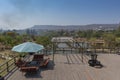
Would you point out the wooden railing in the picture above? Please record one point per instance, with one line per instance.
(7, 67)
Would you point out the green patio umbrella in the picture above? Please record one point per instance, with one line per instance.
(28, 47)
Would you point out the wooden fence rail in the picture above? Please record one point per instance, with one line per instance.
(7, 67)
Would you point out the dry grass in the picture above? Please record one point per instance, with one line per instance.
(5, 55)
(2, 60)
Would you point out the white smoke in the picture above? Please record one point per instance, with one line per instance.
(16, 18)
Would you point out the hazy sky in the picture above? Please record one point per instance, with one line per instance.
(19, 14)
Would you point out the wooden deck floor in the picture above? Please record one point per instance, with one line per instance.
(72, 68)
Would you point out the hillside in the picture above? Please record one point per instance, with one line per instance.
(76, 27)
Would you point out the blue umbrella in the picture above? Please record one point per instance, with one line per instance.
(28, 47)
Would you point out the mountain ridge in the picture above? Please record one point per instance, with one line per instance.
(76, 27)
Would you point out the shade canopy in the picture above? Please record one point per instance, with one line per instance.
(28, 47)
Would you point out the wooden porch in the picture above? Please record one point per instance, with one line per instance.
(71, 67)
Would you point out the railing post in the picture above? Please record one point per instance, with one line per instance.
(63, 50)
(82, 55)
(82, 50)
(7, 66)
(53, 51)
(14, 59)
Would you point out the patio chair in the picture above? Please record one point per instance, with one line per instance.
(19, 63)
(45, 63)
(93, 61)
(38, 57)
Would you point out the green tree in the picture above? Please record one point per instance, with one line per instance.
(43, 40)
(110, 40)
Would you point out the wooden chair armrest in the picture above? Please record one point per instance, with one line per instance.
(44, 63)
